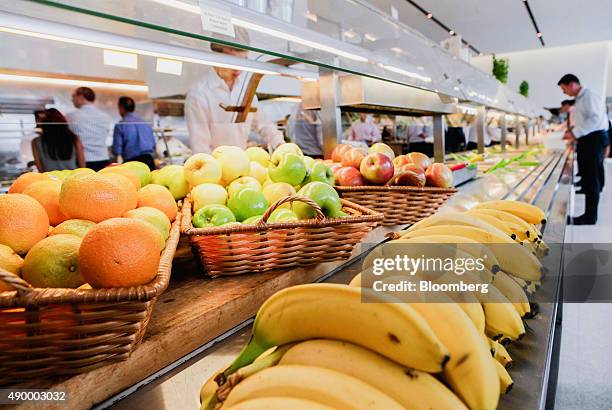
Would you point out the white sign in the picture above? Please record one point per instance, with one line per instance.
(216, 18)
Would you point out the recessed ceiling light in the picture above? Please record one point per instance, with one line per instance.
(451, 32)
(369, 37)
(429, 15)
(539, 35)
(349, 34)
(311, 16)
(397, 49)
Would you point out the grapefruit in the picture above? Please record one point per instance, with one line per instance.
(93, 197)
(23, 222)
(48, 193)
(11, 262)
(157, 196)
(127, 187)
(119, 252)
(54, 263)
(78, 227)
(26, 179)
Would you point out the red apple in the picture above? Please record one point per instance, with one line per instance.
(410, 175)
(336, 155)
(377, 168)
(335, 167)
(352, 158)
(349, 176)
(401, 160)
(382, 148)
(439, 175)
(419, 159)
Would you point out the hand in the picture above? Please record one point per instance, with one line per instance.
(119, 159)
(568, 136)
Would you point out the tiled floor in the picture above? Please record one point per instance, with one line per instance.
(586, 345)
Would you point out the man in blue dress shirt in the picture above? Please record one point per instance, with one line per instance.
(133, 138)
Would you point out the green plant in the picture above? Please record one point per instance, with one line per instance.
(524, 88)
(500, 69)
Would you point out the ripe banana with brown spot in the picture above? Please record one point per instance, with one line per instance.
(505, 380)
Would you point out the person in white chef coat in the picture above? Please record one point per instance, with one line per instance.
(209, 125)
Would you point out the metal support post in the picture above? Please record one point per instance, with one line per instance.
(481, 113)
(438, 135)
(504, 132)
(331, 120)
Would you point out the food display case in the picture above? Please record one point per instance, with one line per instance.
(334, 57)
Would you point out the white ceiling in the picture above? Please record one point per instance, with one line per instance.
(500, 26)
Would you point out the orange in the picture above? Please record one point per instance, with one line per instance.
(48, 193)
(125, 172)
(11, 262)
(157, 196)
(54, 263)
(26, 179)
(23, 222)
(78, 227)
(119, 252)
(93, 197)
(128, 188)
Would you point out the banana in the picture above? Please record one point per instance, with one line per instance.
(491, 220)
(527, 230)
(529, 213)
(279, 403)
(356, 281)
(456, 218)
(323, 386)
(501, 354)
(511, 257)
(469, 372)
(505, 380)
(402, 384)
(513, 292)
(334, 311)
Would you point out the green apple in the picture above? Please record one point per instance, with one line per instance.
(252, 220)
(173, 178)
(308, 161)
(154, 216)
(383, 149)
(289, 168)
(320, 172)
(277, 190)
(242, 182)
(282, 215)
(206, 194)
(259, 172)
(247, 202)
(202, 168)
(286, 148)
(259, 155)
(235, 163)
(213, 215)
(141, 169)
(267, 182)
(324, 195)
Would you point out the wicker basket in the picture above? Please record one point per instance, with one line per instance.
(45, 333)
(399, 204)
(237, 249)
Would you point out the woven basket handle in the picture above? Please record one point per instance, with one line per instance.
(15, 281)
(319, 212)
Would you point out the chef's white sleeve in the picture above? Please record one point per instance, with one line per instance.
(198, 124)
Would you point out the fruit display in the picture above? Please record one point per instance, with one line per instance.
(233, 186)
(105, 229)
(321, 346)
(379, 166)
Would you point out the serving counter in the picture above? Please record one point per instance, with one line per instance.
(200, 324)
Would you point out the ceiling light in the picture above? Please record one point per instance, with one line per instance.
(311, 16)
(406, 73)
(397, 49)
(166, 66)
(72, 83)
(349, 34)
(369, 37)
(429, 15)
(538, 35)
(120, 59)
(451, 32)
(275, 33)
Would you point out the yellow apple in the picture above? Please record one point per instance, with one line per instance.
(258, 172)
(242, 182)
(258, 154)
(234, 163)
(277, 190)
(202, 168)
(207, 194)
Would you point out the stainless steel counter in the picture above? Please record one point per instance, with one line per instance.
(546, 185)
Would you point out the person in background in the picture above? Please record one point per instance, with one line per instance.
(133, 139)
(92, 126)
(590, 128)
(364, 130)
(494, 132)
(57, 148)
(473, 136)
(208, 123)
(304, 129)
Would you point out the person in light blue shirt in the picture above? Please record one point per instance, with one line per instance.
(133, 138)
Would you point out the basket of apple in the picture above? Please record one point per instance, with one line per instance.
(406, 188)
(249, 211)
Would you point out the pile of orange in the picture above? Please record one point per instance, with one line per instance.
(100, 228)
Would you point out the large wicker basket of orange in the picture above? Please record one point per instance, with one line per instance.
(82, 262)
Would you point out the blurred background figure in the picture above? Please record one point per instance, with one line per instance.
(133, 138)
(304, 129)
(364, 130)
(57, 148)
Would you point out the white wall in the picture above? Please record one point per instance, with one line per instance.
(542, 68)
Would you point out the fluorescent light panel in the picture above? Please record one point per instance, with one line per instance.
(166, 66)
(69, 82)
(406, 73)
(120, 59)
